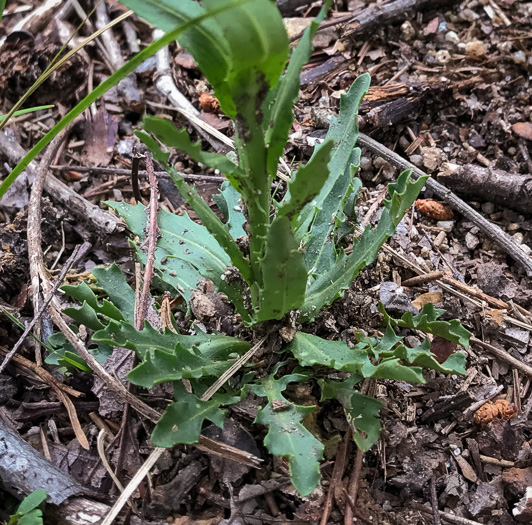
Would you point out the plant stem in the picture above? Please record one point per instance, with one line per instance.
(256, 184)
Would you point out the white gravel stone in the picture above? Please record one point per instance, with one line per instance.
(446, 226)
(472, 241)
(518, 237)
(442, 56)
(452, 37)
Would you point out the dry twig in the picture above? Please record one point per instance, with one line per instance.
(79, 252)
(337, 475)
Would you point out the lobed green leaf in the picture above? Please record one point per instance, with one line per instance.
(312, 350)
(427, 321)
(182, 421)
(284, 273)
(209, 346)
(279, 103)
(362, 412)
(331, 284)
(160, 366)
(321, 242)
(286, 436)
(344, 133)
(228, 202)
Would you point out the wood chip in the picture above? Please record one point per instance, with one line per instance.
(523, 130)
(429, 297)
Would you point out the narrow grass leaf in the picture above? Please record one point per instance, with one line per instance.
(107, 84)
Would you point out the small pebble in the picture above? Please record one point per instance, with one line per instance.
(523, 130)
(324, 102)
(446, 226)
(488, 207)
(472, 241)
(487, 245)
(452, 37)
(379, 162)
(407, 31)
(440, 239)
(403, 142)
(519, 57)
(443, 56)
(365, 163)
(518, 237)
(417, 160)
(512, 227)
(468, 15)
(125, 147)
(432, 158)
(387, 506)
(476, 48)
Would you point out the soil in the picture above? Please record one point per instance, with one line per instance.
(450, 87)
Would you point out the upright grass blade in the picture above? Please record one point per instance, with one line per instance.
(107, 84)
(57, 62)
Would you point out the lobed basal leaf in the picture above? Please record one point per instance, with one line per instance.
(427, 321)
(286, 436)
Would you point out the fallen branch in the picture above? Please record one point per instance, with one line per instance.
(103, 221)
(377, 15)
(122, 171)
(504, 356)
(23, 470)
(506, 189)
(447, 516)
(489, 229)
